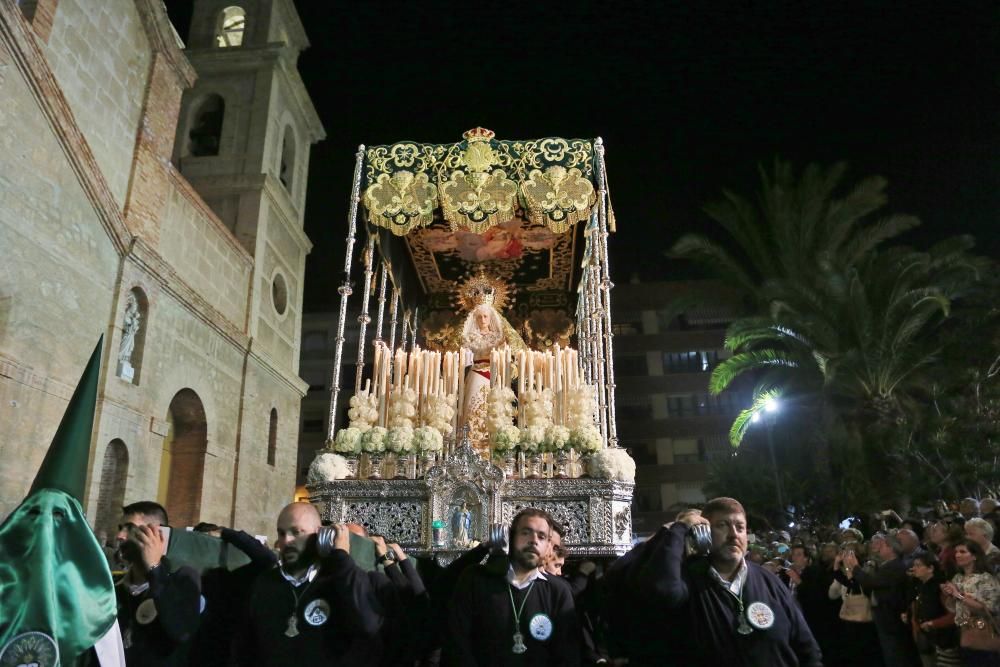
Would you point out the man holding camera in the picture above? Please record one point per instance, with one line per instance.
(158, 607)
(719, 608)
(318, 607)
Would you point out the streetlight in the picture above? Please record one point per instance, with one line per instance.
(770, 408)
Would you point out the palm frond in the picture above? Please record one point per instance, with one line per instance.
(727, 371)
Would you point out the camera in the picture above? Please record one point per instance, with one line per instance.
(699, 540)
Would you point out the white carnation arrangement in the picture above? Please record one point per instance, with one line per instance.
(557, 438)
(428, 439)
(538, 408)
(374, 439)
(439, 411)
(505, 438)
(586, 439)
(500, 408)
(327, 467)
(402, 408)
(532, 439)
(400, 440)
(348, 440)
(363, 412)
(580, 406)
(612, 463)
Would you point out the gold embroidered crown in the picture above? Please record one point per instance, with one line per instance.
(483, 289)
(478, 134)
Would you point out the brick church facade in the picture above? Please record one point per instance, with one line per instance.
(154, 193)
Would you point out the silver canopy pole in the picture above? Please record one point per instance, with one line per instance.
(363, 318)
(393, 312)
(345, 291)
(381, 302)
(605, 290)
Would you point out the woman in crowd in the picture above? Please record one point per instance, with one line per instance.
(859, 640)
(980, 531)
(933, 624)
(975, 596)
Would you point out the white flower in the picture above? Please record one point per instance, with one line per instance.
(532, 438)
(348, 440)
(373, 440)
(327, 466)
(363, 412)
(612, 463)
(428, 439)
(438, 412)
(586, 438)
(505, 438)
(556, 437)
(400, 440)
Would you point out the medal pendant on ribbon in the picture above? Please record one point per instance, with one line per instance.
(743, 627)
(519, 646)
(293, 626)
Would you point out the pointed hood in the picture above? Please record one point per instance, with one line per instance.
(65, 464)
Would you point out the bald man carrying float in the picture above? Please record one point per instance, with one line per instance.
(312, 609)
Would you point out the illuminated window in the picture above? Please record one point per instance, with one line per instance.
(232, 22)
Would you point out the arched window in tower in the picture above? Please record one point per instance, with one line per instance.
(272, 437)
(206, 128)
(287, 170)
(232, 24)
(134, 322)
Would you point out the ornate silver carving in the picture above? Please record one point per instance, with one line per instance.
(401, 522)
(623, 524)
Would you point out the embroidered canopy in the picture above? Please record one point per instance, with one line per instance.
(480, 182)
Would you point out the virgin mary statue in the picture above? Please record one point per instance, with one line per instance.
(485, 329)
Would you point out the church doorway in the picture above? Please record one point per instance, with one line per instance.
(182, 465)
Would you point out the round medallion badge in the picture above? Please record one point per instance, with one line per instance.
(760, 615)
(540, 627)
(145, 613)
(317, 612)
(30, 648)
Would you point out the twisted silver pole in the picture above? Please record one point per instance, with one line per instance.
(363, 318)
(381, 304)
(393, 312)
(605, 289)
(345, 291)
(413, 344)
(598, 347)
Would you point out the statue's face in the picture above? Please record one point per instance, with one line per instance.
(482, 318)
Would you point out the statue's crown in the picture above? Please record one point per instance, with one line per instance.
(482, 289)
(478, 134)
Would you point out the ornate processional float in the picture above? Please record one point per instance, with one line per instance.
(489, 260)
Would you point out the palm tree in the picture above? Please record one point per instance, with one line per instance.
(839, 325)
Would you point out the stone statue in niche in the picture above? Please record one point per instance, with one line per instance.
(130, 329)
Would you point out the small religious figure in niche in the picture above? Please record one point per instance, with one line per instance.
(461, 526)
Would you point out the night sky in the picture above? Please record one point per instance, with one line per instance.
(689, 98)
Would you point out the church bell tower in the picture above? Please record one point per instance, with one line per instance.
(243, 141)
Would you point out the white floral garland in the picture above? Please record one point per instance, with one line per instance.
(500, 418)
